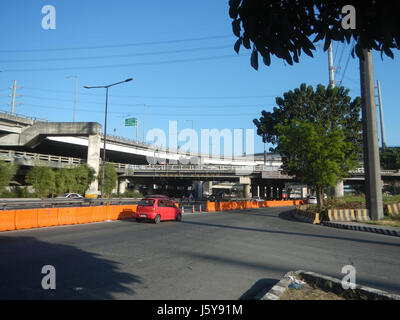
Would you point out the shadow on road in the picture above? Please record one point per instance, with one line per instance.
(310, 235)
(79, 274)
(259, 289)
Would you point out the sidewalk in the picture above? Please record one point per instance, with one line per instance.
(391, 231)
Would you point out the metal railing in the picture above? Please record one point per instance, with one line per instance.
(12, 155)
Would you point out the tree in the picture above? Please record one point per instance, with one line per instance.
(314, 153)
(43, 180)
(327, 106)
(390, 158)
(110, 179)
(284, 27)
(7, 171)
(331, 111)
(83, 176)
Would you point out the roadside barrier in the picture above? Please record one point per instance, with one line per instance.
(47, 217)
(348, 215)
(393, 209)
(309, 217)
(67, 216)
(26, 219)
(7, 220)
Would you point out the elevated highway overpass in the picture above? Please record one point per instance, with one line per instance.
(28, 141)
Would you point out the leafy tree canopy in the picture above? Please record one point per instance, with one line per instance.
(110, 179)
(390, 158)
(325, 106)
(315, 155)
(7, 171)
(284, 27)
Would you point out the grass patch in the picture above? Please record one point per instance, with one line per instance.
(387, 221)
(350, 202)
(320, 289)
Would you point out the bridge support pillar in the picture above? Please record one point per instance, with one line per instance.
(339, 190)
(93, 160)
(122, 184)
(198, 188)
(246, 182)
(207, 187)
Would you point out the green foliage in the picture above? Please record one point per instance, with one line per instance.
(390, 158)
(110, 179)
(7, 172)
(83, 176)
(284, 28)
(326, 106)
(317, 133)
(43, 181)
(47, 181)
(316, 156)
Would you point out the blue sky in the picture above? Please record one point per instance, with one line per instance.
(180, 55)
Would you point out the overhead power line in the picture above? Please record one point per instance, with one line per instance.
(127, 64)
(149, 53)
(118, 45)
(159, 97)
(259, 105)
(141, 113)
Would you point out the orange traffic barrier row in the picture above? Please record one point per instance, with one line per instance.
(48, 217)
(240, 205)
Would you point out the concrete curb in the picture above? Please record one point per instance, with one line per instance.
(361, 227)
(277, 290)
(356, 226)
(306, 217)
(327, 283)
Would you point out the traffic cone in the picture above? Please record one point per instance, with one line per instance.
(200, 208)
(193, 209)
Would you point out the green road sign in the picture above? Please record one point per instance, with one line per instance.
(130, 122)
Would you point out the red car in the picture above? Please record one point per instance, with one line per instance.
(158, 209)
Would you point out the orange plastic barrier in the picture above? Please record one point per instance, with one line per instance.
(67, 216)
(99, 213)
(7, 220)
(26, 219)
(234, 205)
(85, 214)
(113, 212)
(47, 217)
(211, 206)
(127, 212)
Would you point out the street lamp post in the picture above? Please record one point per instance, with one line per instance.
(105, 127)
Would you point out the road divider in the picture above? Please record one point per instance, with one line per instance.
(344, 215)
(310, 217)
(240, 205)
(48, 217)
(393, 209)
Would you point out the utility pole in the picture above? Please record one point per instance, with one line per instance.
(331, 67)
(13, 96)
(383, 138)
(373, 187)
(339, 188)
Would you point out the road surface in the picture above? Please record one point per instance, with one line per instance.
(229, 255)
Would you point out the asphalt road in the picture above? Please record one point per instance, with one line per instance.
(218, 255)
